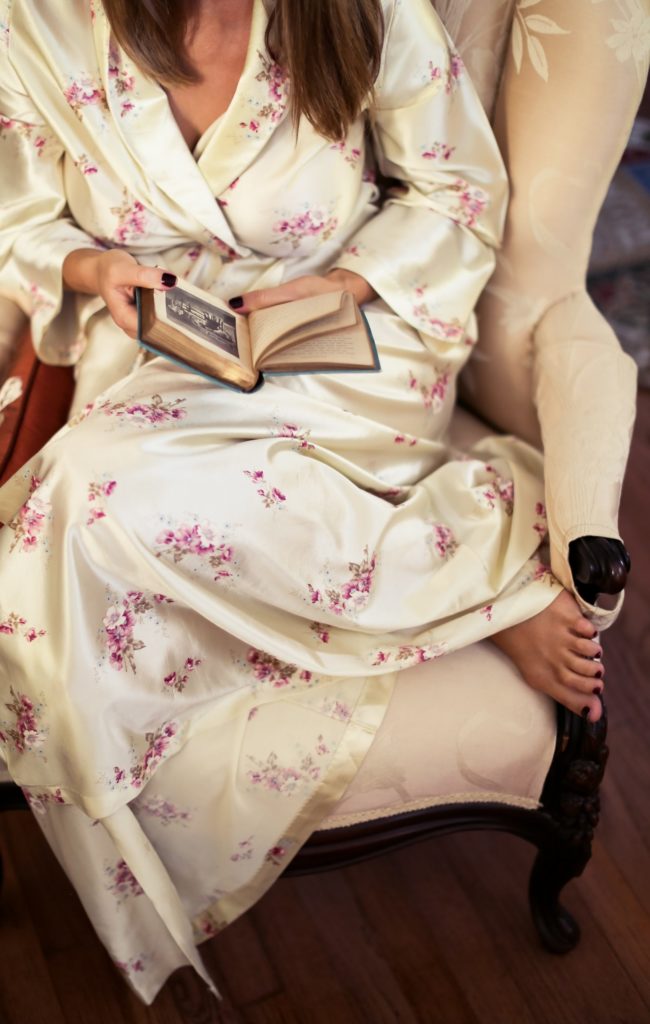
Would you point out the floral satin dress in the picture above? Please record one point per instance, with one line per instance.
(205, 597)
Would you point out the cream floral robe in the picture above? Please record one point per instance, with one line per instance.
(205, 596)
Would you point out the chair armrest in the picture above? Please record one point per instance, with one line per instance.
(599, 565)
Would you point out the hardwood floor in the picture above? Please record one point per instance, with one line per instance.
(435, 934)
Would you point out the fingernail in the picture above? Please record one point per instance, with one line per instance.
(169, 280)
(597, 690)
(599, 674)
(236, 303)
(585, 712)
(594, 634)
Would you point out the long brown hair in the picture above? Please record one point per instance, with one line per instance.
(331, 50)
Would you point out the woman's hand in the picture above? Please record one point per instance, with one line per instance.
(113, 275)
(303, 287)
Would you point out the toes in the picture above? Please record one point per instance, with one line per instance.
(594, 671)
(579, 704)
(583, 627)
(585, 648)
(582, 685)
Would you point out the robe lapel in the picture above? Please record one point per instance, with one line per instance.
(154, 140)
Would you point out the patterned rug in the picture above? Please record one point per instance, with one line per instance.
(619, 269)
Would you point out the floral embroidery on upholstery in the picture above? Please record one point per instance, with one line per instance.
(154, 412)
(271, 497)
(123, 882)
(177, 681)
(26, 734)
(353, 594)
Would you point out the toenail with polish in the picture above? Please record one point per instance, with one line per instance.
(594, 635)
(584, 712)
(599, 674)
(597, 690)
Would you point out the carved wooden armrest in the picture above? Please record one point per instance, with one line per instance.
(599, 565)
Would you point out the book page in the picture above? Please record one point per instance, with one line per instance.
(204, 319)
(268, 326)
(348, 349)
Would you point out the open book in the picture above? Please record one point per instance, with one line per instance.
(191, 326)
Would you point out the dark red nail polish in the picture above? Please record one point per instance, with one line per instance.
(599, 674)
(169, 280)
(594, 635)
(584, 712)
(597, 690)
(236, 303)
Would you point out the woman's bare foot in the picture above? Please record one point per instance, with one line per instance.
(553, 652)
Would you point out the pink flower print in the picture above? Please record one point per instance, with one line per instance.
(193, 254)
(177, 681)
(39, 801)
(244, 850)
(321, 631)
(352, 250)
(450, 75)
(28, 524)
(24, 732)
(543, 572)
(471, 201)
(351, 156)
(119, 623)
(158, 744)
(354, 593)
(131, 219)
(207, 926)
(403, 439)
(39, 300)
(433, 395)
(277, 81)
(13, 626)
(154, 412)
(97, 491)
(196, 539)
(411, 654)
(336, 709)
(163, 810)
(121, 81)
(309, 224)
(297, 433)
(136, 965)
(438, 150)
(286, 779)
(162, 599)
(445, 543)
(499, 490)
(540, 527)
(381, 657)
(123, 882)
(271, 497)
(85, 165)
(85, 92)
(252, 125)
(252, 713)
(268, 669)
(487, 611)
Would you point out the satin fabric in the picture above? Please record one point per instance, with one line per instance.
(204, 596)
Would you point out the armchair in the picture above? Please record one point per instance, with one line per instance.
(451, 754)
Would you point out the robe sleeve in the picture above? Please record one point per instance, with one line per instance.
(429, 251)
(36, 229)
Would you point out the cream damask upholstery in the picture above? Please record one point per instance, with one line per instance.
(562, 82)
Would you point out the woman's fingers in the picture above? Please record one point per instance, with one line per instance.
(301, 288)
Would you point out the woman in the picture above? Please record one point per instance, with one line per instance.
(222, 587)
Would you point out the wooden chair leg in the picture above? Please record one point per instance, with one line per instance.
(572, 802)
